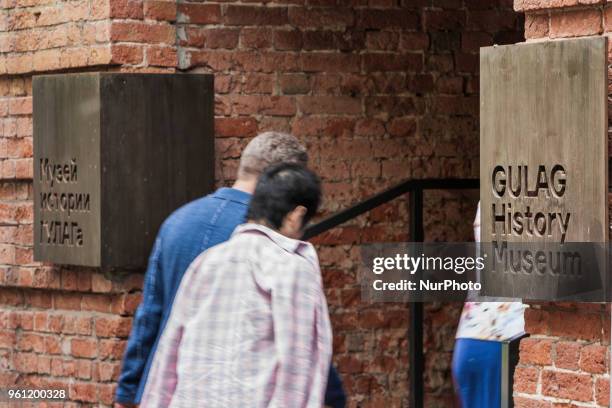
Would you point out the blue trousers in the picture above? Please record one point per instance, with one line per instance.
(477, 373)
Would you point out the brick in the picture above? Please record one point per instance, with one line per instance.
(328, 18)
(369, 127)
(83, 392)
(43, 365)
(573, 23)
(349, 364)
(96, 302)
(111, 349)
(100, 284)
(217, 60)
(580, 326)
(53, 345)
(140, 32)
(67, 301)
(38, 299)
(221, 38)
(127, 54)
(7, 339)
(160, 10)
(382, 40)
(86, 348)
(255, 15)
(567, 355)
(385, 19)
(536, 25)
(265, 105)
(235, 127)
(578, 387)
(472, 41)
(107, 371)
(467, 62)
(492, 20)
(392, 62)
(161, 56)
(593, 359)
(444, 19)
(98, 10)
(194, 13)
(62, 368)
(329, 105)
(536, 351)
(191, 36)
(86, 56)
(607, 19)
(126, 304)
(129, 9)
(258, 84)
(602, 391)
(19, 147)
(47, 60)
(83, 369)
(529, 5)
(223, 105)
(20, 106)
(319, 40)
(106, 393)
(449, 85)
(287, 40)
(25, 362)
(402, 127)
(350, 40)
(31, 342)
(25, 256)
(256, 37)
(326, 62)
(115, 326)
(72, 324)
(93, 33)
(291, 84)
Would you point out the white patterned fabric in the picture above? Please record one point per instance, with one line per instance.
(490, 320)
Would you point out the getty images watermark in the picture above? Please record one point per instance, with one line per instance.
(409, 264)
(423, 272)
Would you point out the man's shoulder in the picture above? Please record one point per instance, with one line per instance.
(203, 209)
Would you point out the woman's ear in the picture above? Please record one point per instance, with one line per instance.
(293, 223)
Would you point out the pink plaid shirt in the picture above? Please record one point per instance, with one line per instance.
(249, 328)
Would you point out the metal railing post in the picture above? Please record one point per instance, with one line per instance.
(415, 332)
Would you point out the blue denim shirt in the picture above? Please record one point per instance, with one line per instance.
(190, 230)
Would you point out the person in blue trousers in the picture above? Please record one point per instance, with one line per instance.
(189, 231)
(482, 328)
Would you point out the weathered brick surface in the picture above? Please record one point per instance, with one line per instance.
(569, 348)
(531, 5)
(377, 90)
(577, 368)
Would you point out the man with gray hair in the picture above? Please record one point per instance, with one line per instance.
(189, 231)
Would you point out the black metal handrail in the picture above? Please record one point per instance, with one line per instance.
(386, 196)
(415, 188)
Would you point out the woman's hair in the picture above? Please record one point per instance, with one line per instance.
(271, 148)
(281, 188)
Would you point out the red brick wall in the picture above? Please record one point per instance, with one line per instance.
(379, 91)
(566, 360)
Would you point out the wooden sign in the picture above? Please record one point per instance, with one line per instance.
(114, 155)
(543, 142)
(544, 169)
